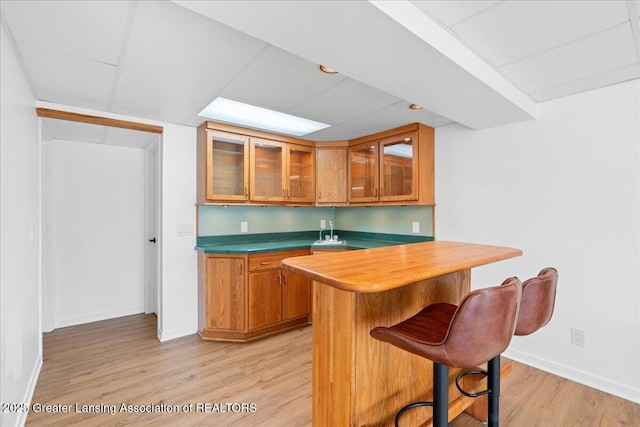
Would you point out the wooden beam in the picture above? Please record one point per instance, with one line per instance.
(96, 120)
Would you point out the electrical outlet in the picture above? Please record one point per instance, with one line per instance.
(416, 227)
(323, 224)
(577, 337)
(244, 227)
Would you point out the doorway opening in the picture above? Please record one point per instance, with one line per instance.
(101, 191)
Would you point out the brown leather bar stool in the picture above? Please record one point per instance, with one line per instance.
(536, 308)
(474, 332)
(538, 301)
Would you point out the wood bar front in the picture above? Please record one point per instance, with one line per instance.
(360, 381)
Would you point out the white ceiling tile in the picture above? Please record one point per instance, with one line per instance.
(346, 101)
(592, 82)
(451, 12)
(171, 43)
(142, 96)
(87, 29)
(514, 30)
(280, 81)
(65, 130)
(334, 133)
(65, 79)
(594, 55)
(390, 117)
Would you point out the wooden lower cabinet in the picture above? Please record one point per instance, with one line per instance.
(246, 297)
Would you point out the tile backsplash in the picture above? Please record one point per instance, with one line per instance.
(228, 220)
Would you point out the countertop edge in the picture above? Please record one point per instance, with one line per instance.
(402, 275)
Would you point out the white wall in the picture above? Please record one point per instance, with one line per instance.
(96, 196)
(20, 336)
(565, 189)
(179, 275)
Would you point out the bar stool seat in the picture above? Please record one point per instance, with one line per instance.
(474, 332)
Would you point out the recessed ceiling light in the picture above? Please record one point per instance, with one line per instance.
(415, 107)
(326, 69)
(239, 113)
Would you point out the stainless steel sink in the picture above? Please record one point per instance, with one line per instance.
(330, 242)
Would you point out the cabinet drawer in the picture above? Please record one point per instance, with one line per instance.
(271, 260)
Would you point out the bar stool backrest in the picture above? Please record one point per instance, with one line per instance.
(483, 324)
(538, 300)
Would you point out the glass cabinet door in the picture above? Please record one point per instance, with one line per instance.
(363, 172)
(227, 166)
(301, 179)
(398, 172)
(267, 170)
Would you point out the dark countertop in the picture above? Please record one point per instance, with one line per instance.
(258, 243)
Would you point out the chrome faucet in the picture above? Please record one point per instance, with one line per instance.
(331, 226)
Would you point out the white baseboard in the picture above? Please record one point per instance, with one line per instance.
(96, 317)
(21, 420)
(602, 384)
(175, 333)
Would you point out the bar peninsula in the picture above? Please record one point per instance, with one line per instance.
(357, 380)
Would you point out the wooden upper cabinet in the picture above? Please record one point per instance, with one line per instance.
(281, 172)
(226, 169)
(301, 174)
(393, 167)
(363, 172)
(267, 170)
(399, 168)
(331, 176)
(246, 166)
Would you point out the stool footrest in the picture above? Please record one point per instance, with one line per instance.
(410, 406)
(472, 372)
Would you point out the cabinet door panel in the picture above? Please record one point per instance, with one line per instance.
(301, 176)
(267, 167)
(265, 300)
(296, 296)
(399, 168)
(363, 172)
(331, 175)
(227, 176)
(225, 293)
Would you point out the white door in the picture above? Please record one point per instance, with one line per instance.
(152, 229)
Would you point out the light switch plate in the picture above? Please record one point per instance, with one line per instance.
(416, 226)
(244, 227)
(323, 224)
(185, 229)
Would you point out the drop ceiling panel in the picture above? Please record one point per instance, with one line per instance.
(334, 133)
(67, 79)
(87, 29)
(344, 102)
(584, 58)
(141, 96)
(174, 44)
(280, 81)
(600, 80)
(452, 12)
(514, 30)
(389, 117)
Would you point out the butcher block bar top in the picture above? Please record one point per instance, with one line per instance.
(381, 269)
(359, 381)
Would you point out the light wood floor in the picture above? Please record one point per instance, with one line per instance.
(266, 383)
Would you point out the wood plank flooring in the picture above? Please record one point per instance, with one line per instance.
(265, 383)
